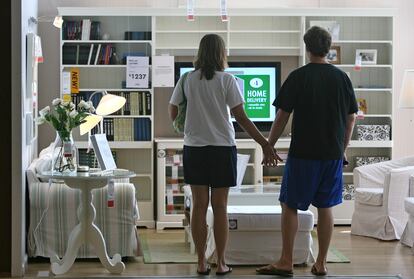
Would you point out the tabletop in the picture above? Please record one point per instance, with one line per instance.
(92, 175)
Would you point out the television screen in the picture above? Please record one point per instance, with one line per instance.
(259, 82)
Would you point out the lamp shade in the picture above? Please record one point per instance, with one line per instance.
(407, 90)
(90, 122)
(109, 104)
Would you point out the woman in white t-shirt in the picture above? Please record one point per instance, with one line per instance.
(210, 155)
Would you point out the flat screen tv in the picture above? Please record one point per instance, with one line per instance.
(259, 82)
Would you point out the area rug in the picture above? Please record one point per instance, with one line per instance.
(166, 248)
(334, 255)
(171, 248)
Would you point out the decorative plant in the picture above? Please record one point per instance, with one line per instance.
(63, 116)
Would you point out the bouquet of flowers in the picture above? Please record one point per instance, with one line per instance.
(64, 117)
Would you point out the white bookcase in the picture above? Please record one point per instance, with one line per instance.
(133, 155)
(264, 32)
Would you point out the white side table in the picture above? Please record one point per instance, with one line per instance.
(86, 230)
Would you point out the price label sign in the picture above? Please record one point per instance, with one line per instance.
(137, 74)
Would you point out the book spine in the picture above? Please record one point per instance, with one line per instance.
(116, 129)
(90, 54)
(111, 129)
(135, 129)
(148, 103)
(127, 109)
(140, 106)
(97, 54)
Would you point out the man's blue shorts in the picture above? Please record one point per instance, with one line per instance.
(316, 182)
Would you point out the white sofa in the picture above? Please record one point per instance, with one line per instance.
(380, 190)
(407, 237)
(53, 210)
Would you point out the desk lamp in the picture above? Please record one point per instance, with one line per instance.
(108, 104)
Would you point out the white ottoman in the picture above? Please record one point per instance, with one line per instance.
(255, 236)
(245, 195)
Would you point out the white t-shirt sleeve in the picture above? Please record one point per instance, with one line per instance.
(234, 96)
(177, 96)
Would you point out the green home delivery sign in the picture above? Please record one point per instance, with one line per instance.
(256, 95)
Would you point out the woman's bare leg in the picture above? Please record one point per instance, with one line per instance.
(221, 225)
(198, 223)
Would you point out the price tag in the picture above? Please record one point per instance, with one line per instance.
(358, 62)
(223, 10)
(137, 73)
(190, 10)
(67, 149)
(176, 159)
(111, 193)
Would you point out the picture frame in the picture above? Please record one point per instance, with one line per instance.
(331, 26)
(334, 55)
(368, 56)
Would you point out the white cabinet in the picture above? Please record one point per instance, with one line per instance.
(170, 178)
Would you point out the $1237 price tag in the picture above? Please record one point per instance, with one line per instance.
(137, 72)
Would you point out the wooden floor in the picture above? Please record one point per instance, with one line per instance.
(368, 257)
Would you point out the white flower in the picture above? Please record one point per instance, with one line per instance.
(65, 103)
(92, 110)
(40, 120)
(56, 101)
(82, 104)
(45, 111)
(73, 113)
(72, 105)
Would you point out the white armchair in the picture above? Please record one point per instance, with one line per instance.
(380, 190)
(407, 237)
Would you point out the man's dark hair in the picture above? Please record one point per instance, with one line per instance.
(318, 41)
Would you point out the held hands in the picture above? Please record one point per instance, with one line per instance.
(270, 158)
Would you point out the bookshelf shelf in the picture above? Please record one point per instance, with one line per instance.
(189, 31)
(364, 66)
(94, 66)
(120, 144)
(363, 42)
(106, 42)
(267, 31)
(128, 116)
(388, 90)
(115, 89)
(378, 116)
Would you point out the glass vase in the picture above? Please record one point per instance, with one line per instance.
(65, 154)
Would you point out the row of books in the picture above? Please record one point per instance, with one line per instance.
(89, 158)
(91, 54)
(81, 30)
(126, 129)
(137, 103)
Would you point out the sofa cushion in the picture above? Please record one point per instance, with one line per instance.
(409, 205)
(369, 196)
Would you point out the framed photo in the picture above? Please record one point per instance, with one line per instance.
(368, 56)
(331, 26)
(334, 55)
